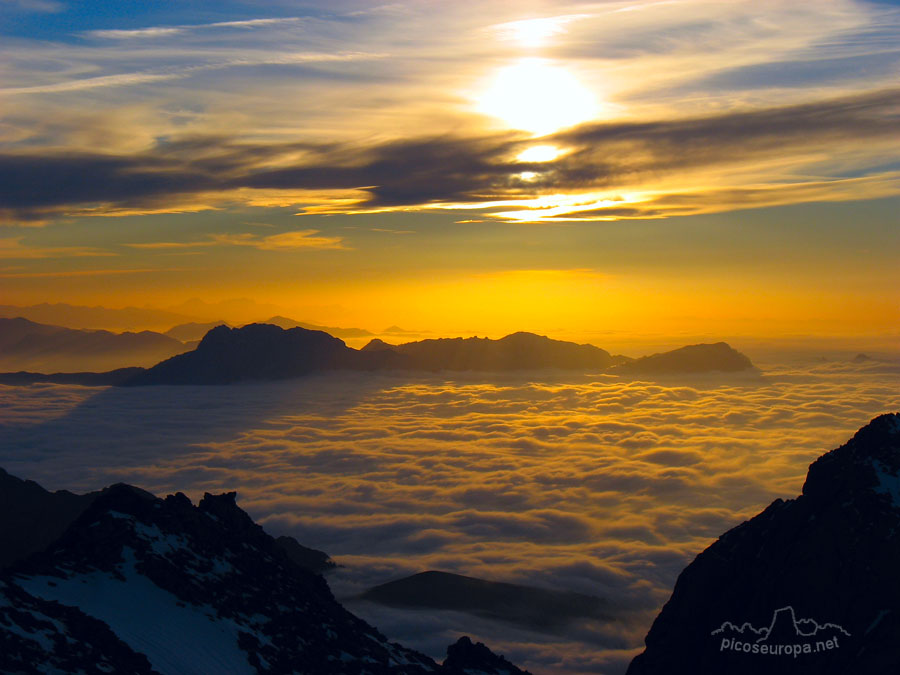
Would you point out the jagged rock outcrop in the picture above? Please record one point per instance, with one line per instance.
(808, 586)
(138, 584)
(468, 658)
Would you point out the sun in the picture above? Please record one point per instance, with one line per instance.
(535, 95)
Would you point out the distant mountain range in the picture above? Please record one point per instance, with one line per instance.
(26, 345)
(269, 352)
(286, 323)
(192, 331)
(79, 316)
(121, 581)
(807, 587)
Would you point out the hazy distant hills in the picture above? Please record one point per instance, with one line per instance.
(536, 608)
(286, 323)
(26, 345)
(77, 316)
(192, 330)
(817, 574)
(519, 351)
(130, 583)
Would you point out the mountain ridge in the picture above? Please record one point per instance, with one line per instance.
(268, 352)
(216, 593)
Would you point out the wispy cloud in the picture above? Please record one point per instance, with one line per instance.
(82, 273)
(12, 248)
(610, 170)
(137, 78)
(285, 241)
(166, 31)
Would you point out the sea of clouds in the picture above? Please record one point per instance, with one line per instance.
(589, 483)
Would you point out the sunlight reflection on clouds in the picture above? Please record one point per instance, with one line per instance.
(594, 484)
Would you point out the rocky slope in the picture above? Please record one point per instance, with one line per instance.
(808, 586)
(137, 584)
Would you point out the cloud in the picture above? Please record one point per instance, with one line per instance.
(285, 241)
(612, 170)
(605, 486)
(13, 248)
(166, 31)
(137, 78)
(83, 273)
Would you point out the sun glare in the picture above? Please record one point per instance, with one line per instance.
(539, 153)
(535, 95)
(533, 32)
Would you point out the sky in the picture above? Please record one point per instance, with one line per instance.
(674, 167)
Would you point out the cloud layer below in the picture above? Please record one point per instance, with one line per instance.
(593, 484)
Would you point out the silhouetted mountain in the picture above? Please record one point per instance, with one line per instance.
(25, 345)
(31, 517)
(192, 331)
(816, 574)
(261, 352)
(466, 658)
(537, 608)
(284, 322)
(519, 351)
(138, 584)
(77, 316)
(107, 379)
(691, 359)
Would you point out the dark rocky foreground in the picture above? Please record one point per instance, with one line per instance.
(138, 584)
(810, 586)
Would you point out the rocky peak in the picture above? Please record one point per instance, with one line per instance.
(807, 587)
(138, 584)
(869, 463)
(468, 658)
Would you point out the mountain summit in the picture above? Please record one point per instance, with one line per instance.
(260, 352)
(138, 584)
(808, 586)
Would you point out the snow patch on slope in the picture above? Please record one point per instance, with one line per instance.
(176, 638)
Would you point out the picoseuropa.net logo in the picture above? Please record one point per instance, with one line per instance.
(786, 635)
